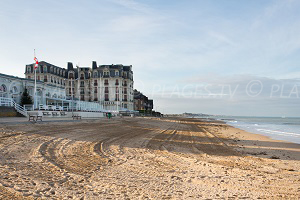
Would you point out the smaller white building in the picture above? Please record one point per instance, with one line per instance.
(13, 87)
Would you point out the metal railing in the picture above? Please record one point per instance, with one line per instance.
(11, 103)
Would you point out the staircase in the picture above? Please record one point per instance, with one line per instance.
(11, 103)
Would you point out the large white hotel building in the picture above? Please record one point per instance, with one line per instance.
(109, 85)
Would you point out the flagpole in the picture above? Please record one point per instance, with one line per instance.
(34, 97)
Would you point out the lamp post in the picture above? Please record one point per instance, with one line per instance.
(72, 96)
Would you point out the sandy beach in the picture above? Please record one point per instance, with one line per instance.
(144, 158)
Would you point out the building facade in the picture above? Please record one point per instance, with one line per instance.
(142, 102)
(13, 87)
(108, 85)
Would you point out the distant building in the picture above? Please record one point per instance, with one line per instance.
(108, 85)
(141, 102)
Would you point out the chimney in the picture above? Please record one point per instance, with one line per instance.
(70, 66)
(94, 65)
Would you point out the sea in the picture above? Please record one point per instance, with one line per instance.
(279, 128)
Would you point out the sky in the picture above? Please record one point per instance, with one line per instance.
(226, 57)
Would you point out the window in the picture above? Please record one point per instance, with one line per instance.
(51, 79)
(106, 73)
(125, 83)
(29, 69)
(81, 83)
(117, 90)
(64, 73)
(29, 77)
(15, 90)
(3, 88)
(117, 97)
(95, 90)
(106, 97)
(81, 91)
(71, 75)
(117, 82)
(81, 76)
(117, 73)
(45, 79)
(95, 83)
(45, 69)
(51, 69)
(106, 90)
(54, 96)
(105, 82)
(95, 99)
(95, 74)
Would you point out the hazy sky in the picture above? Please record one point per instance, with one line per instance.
(217, 57)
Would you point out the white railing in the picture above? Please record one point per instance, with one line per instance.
(11, 103)
(88, 106)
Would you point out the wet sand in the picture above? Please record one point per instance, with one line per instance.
(144, 158)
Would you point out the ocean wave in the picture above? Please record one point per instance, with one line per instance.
(278, 132)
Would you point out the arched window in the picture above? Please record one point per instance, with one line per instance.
(3, 88)
(39, 92)
(15, 90)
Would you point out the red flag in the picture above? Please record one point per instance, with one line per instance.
(36, 63)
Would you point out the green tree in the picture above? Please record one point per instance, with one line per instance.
(26, 99)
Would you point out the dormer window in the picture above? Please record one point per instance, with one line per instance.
(117, 73)
(82, 76)
(71, 74)
(106, 73)
(51, 69)
(29, 69)
(95, 74)
(45, 69)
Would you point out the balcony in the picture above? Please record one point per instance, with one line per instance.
(106, 99)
